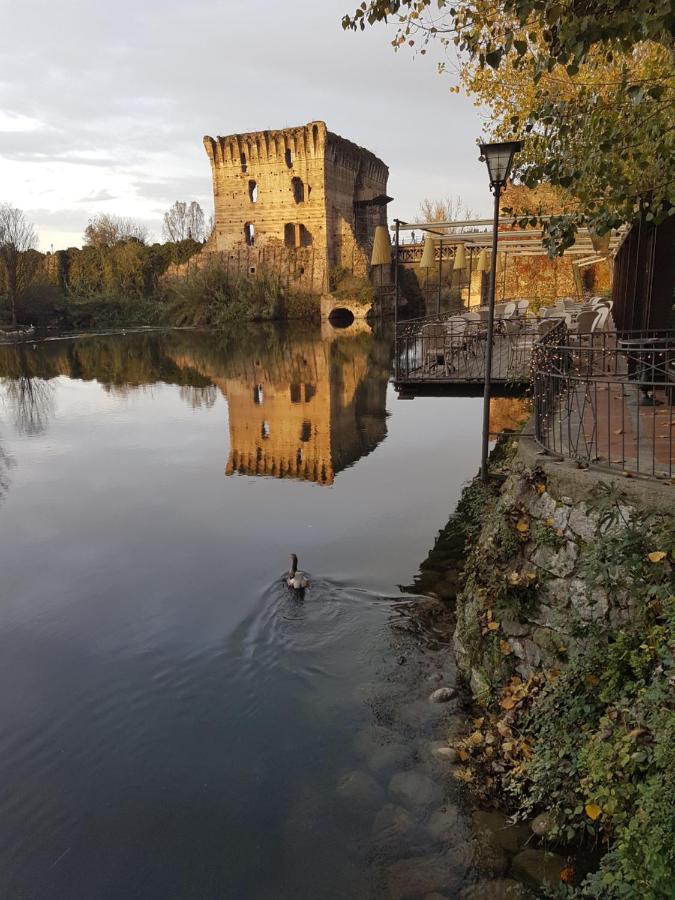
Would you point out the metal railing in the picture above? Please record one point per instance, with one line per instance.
(606, 399)
(450, 349)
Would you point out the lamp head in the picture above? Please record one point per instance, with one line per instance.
(499, 159)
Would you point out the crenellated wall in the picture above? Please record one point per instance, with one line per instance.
(300, 192)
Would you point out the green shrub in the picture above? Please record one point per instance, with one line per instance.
(603, 733)
(210, 296)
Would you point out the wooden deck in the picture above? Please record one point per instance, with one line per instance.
(437, 363)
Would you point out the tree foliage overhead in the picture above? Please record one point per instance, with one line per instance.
(589, 85)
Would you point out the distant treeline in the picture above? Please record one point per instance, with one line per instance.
(130, 283)
(128, 268)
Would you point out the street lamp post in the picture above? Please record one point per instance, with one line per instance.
(499, 158)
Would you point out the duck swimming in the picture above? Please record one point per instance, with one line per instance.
(296, 580)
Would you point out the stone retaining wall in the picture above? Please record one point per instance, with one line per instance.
(545, 510)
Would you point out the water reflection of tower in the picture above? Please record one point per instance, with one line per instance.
(308, 414)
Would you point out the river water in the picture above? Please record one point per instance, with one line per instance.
(174, 723)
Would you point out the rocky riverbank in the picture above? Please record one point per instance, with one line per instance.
(566, 638)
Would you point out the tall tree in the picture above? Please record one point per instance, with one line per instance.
(19, 265)
(589, 85)
(184, 221)
(104, 230)
(445, 209)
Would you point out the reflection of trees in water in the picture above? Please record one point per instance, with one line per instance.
(30, 396)
(6, 463)
(32, 402)
(197, 397)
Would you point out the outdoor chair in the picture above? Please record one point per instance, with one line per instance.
(583, 323)
(455, 342)
(433, 345)
(521, 342)
(510, 310)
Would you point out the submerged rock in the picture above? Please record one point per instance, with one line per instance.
(537, 867)
(415, 789)
(442, 695)
(495, 889)
(393, 821)
(494, 826)
(372, 737)
(442, 751)
(420, 715)
(389, 757)
(446, 826)
(360, 790)
(422, 875)
(397, 833)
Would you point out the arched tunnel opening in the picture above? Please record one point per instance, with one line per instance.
(340, 317)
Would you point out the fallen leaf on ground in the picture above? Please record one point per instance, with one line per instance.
(592, 811)
(656, 556)
(522, 525)
(505, 647)
(493, 626)
(567, 874)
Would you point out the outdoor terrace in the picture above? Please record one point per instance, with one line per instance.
(443, 352)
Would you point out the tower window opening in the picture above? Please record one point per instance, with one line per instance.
(289, 234)
(298, 190)
(253, 191)
(243, 163)
(258, 394)
(289, 157)
(249, 234)
(305, 237)
(265, 430)
(296, 396)
(306, 432)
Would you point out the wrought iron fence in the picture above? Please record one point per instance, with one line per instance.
(452, 349)
(606, 398)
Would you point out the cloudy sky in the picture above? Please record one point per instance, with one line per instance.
(103, 105)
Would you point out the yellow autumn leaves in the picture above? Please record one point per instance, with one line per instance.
(656, 556)
(593, 811)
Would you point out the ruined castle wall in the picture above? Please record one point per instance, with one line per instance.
(295, 202)
(352, 175)
(269, 198)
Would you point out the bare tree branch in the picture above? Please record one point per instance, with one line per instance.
(184, 221)
(17, 264)
(105, 230)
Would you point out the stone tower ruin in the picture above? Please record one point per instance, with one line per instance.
(302, 202)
